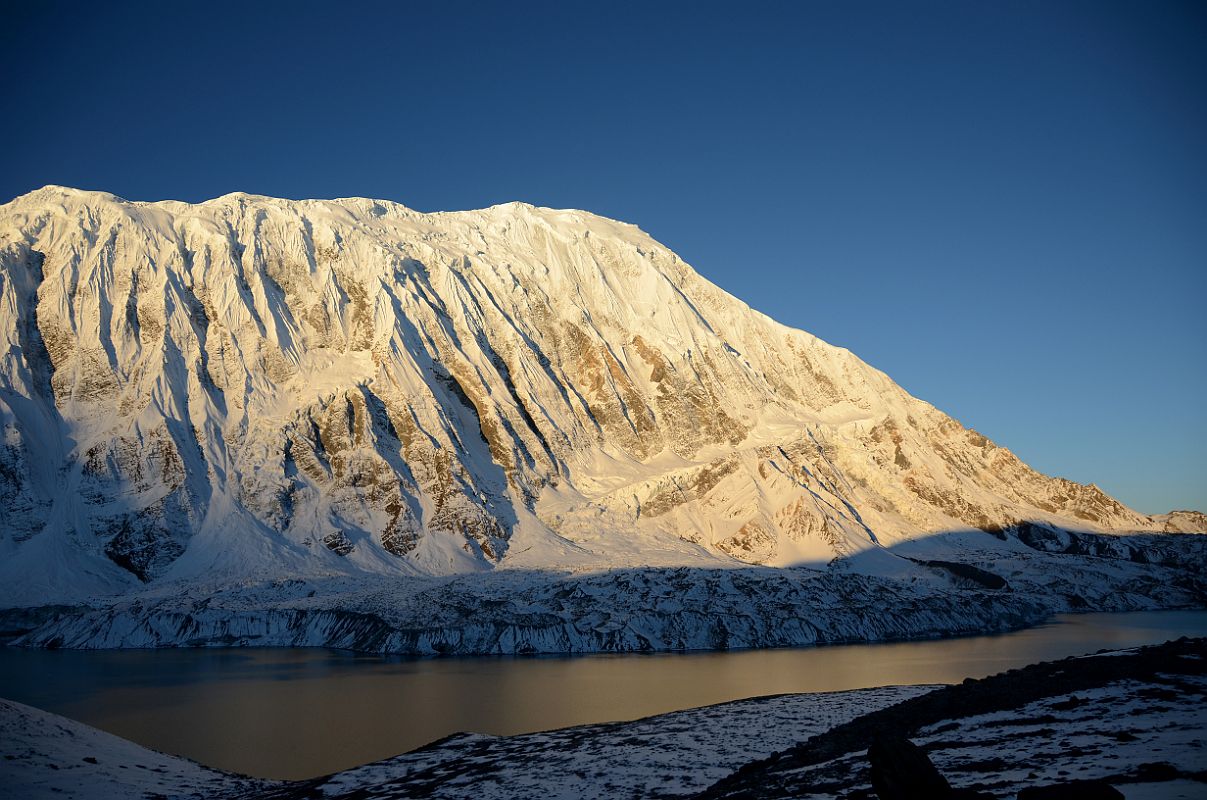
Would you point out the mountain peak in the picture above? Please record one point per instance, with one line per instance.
(349, 386)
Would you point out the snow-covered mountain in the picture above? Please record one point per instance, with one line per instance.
(261, 387)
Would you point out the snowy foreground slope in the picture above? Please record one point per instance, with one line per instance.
(477, 431)
(1136, 719)
(45, 755)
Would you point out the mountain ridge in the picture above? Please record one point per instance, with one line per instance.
(265, 386)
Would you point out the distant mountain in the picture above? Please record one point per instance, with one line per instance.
(261, 387)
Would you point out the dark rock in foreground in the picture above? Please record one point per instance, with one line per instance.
(901, 771)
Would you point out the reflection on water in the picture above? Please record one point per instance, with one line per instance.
(294, 713)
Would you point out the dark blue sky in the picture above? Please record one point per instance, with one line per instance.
(1002, 205)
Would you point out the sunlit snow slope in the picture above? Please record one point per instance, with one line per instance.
(261, 386)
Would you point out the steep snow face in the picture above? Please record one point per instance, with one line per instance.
(254, 386)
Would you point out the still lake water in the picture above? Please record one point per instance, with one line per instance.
(296, 713)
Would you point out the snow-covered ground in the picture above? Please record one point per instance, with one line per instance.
(1135, 719)
(1110, 733)
(1107, 733)
(1094, 734)
(671, 755)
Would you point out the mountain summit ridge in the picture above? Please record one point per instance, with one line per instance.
(251, 385)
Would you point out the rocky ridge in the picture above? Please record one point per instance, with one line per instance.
(262, 389)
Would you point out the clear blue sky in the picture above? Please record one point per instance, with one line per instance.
(1001, 204)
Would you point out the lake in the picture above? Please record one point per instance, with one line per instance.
(297, 713)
